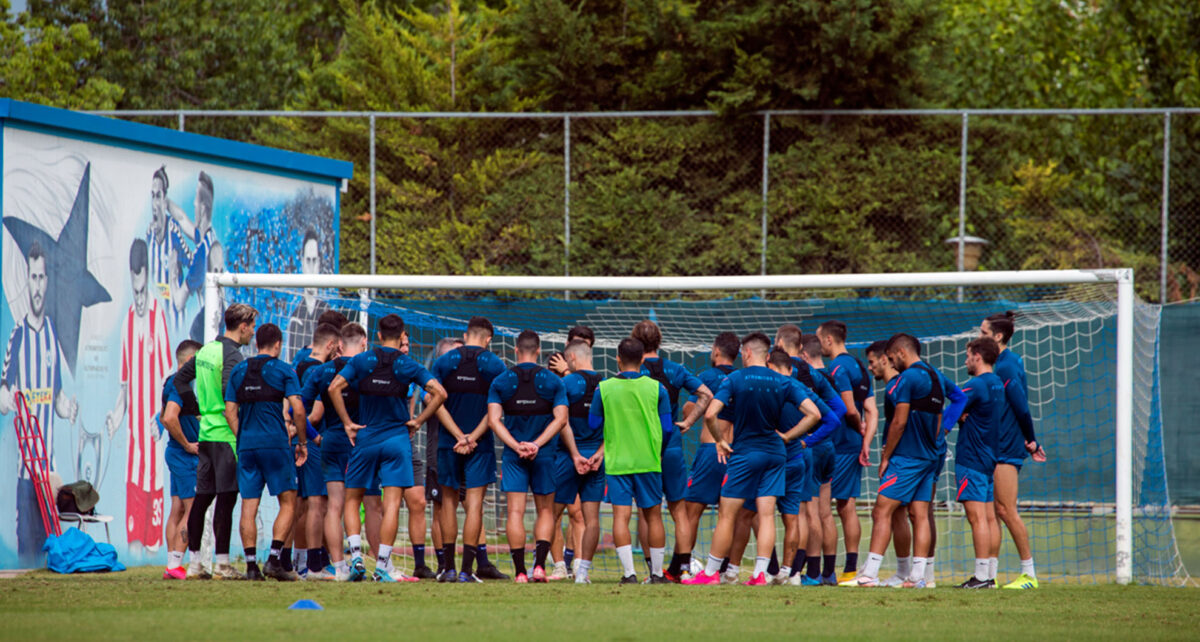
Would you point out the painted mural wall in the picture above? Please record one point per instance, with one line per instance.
(103, 258)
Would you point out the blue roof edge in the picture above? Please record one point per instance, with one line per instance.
(171, 140)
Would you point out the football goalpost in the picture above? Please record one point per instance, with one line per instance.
(1090, 348)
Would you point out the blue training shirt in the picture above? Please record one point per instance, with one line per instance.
(977, 438)
(260, 424)
(681, 379)
(1016, 424)
(315, 385)
(189, 423)
(467, 408)
(923, 437)
(383, 417)
(587, 439)
(301, 355)
(757, 396)
(548, 386)
(792, 416)
(846, 375)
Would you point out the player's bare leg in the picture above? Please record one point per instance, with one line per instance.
(922, 542)
(994, 536)
(334, 513)
(829, 535)
(414, 500)
(745, 523)
(589, 540)
(981, 538)
(543, 532)
(389, 525)
(176, 537)
(851, 528)
(514, 529)
(473, 534)
(1005, 477)
(355, 499)
(314, 526)
(816, 536)
(902, 545)
(373, 510)
(881, 537)
(448, 521)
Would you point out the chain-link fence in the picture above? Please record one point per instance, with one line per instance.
(690, 193)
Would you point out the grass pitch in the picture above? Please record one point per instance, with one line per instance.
(137, 604)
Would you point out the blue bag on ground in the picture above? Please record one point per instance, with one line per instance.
(76, 552)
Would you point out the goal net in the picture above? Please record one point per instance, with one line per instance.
(1098, 511)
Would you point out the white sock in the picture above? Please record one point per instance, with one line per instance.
(760, 565)
(581, 570)
(785, 571)
(355, 545)
(301, 558)
(174, 559)
(713, 565)
(625, 554)
(341, 565)
(993, 567)
(918, 569)
(733, 571)
(1027, 568)
(903, 566)
(981, 569)
(222, 559)
(550, 560)
(384, 560)
(656, 560)
(929, 578)
(871, 568)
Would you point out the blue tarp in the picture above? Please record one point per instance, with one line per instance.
(76, 552)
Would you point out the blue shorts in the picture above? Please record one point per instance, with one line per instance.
(752, 474)
(644, 488)
(847, 476)
(333, 465)
(796, 484)
(937, 473)
(273, 467)
(467, 471)
(569, 484)
(534, 475)
(1012, 461)
(311, 480)
(386, 463)
(820, 460)
(183, 472)
(973, 485)
(908, 480)
(704, 484)
(674, 474)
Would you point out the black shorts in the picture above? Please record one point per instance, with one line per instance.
(216, 471)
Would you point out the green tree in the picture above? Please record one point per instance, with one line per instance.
(47, 64)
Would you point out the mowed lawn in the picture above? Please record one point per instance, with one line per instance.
(136, 604)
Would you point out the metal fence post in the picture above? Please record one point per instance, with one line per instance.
(181, 117)
(765, 178)
(1166, 206)
(567, 201)
(372, 119)
(962, 200)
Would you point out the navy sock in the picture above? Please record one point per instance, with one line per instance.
(724, 565)
(447, 557)
(773, 565)
(568, 557)
(285, 556)
(315, 561)
(814, 567)
(830, 565)
(541, 549)
(441, 558)
(468, 558)
(851, 562)
(798, 561)
(418, 555)
(251, 555)
(674, 568)
(518, 559)
(481, 559)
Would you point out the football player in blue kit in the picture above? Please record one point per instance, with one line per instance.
(579, 464)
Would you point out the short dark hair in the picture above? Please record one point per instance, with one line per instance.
(758, 340)
(811, 345)
(35, 252)
(727, 344)
(582, 332)
(780, 359)
(878, 348)
(161, 174)
(528, 341)
(480, 324)
(184, 347)
(333, 318)
(788, 336)
(237, 314)
(648, 333)
(1002, 324)
(835, 329)
(986, 348)
(325, 333)
(631, 350)
(353, 331)
(391, 327)
(906, 341)
(310, 234)
(138, 256)
(267, 335)
(205, 181)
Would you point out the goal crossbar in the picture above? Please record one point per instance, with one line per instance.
(1122, 277)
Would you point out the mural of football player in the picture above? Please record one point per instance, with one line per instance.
(304, 317)
(166, 248)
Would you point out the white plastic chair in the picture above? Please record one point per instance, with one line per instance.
(83, 520)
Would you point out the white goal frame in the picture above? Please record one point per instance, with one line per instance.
(1123, 278)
